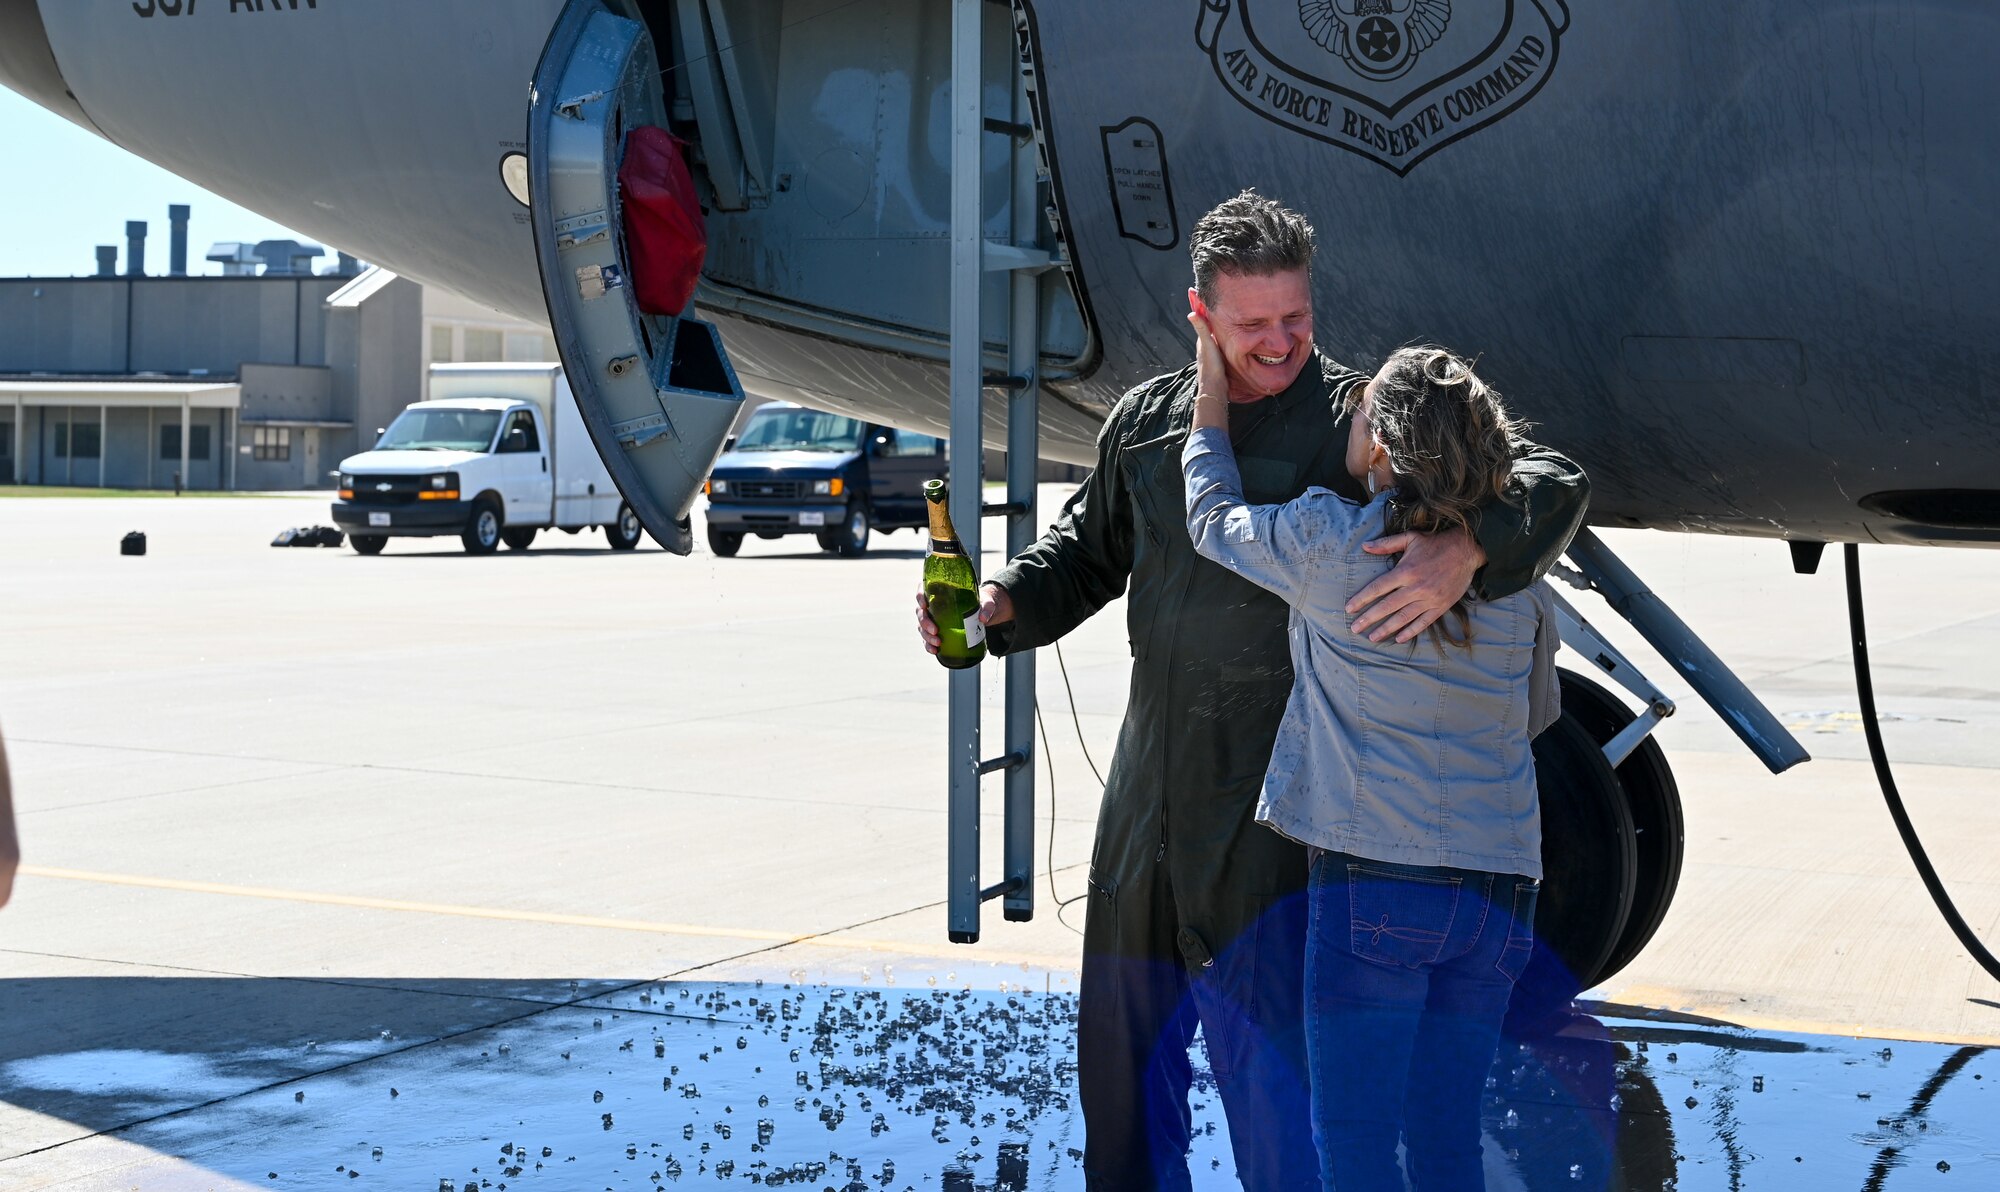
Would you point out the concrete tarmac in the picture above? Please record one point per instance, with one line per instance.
(302, 827)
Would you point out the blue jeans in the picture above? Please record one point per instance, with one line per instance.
(1408, 974)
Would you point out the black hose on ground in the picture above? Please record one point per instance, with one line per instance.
(1865, 686)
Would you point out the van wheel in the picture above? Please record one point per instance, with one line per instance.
(482, 532)
(623, 534)
(829, 540)
(854, 532)
(368, 544)
(520, 539)
(725, 542)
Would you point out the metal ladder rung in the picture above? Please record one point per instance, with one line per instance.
(1004, 509)
(1009, 381)
(1010, 761)
(1012, 258)
(1010, 128)
(999, 888)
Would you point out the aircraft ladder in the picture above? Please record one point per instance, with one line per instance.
(972, 257)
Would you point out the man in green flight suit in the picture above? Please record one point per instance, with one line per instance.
(1195, 912)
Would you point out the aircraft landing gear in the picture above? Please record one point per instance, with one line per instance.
(1654, 799)
(1612, 843)
(1589, 871)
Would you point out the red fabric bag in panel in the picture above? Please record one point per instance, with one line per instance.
(664, 234)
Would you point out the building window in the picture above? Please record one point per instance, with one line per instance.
(271, 442)
(909, 442)
(529, 347)
(440, 343)
(482, 344)
(78, 440)
(6, 440)
(170, 442)
(521, 434)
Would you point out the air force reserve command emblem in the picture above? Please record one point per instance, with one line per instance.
(1392, 80)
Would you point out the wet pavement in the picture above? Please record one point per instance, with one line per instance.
(873, 1088)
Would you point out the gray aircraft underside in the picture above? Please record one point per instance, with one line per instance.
(1738, 259)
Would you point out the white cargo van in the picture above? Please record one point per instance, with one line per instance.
(496, 454)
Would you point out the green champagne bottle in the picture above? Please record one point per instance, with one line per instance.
(951, 589)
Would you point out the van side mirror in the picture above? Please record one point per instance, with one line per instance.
(729, 444)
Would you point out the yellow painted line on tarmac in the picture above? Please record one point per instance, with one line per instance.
(832, 940)
(1741, 1016)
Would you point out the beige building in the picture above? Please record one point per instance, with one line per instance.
(458, 330)
(245, 381)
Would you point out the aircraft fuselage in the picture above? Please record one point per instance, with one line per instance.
(1739, 261)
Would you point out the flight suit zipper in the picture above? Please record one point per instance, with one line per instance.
(1141, 478)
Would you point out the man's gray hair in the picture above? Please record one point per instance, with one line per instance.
(1251, 236)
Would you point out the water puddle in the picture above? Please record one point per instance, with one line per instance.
(868, 1089)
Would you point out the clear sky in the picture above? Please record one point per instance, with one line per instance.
(64, 191)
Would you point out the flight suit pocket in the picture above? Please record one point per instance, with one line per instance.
(1398, 915)
(1152, 471)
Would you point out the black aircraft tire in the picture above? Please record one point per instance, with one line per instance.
(1655, 800)
(1590, 868)
(519, 538)
(367, 544)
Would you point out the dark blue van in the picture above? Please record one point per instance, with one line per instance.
(793, 470)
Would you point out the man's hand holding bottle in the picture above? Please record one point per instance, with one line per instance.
(995, 608)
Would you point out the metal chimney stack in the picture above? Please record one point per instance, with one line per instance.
(177, 253)
(135, 248)
(107, 260)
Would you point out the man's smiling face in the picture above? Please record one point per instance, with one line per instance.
(1264, 325)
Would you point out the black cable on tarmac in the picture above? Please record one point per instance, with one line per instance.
(1049, 867)
(1865, 686)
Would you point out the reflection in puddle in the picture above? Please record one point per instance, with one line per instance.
(118, 1072)
(884, 1090)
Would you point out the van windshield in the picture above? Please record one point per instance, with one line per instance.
(441, 430)
(793, 429)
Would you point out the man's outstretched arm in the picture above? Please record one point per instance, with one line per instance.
(1081, 564)
(1078, 567)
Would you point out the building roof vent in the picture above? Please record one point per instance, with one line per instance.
(236, 258)
(288, 257)
(135, 248)
(177, 251)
